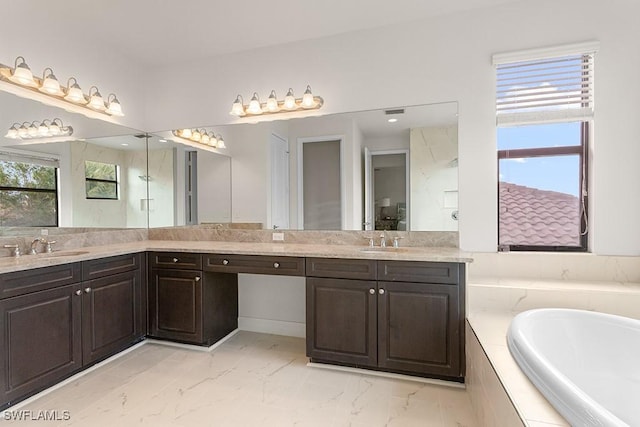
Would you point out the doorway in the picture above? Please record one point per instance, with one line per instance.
(386, 190)
(320, 197)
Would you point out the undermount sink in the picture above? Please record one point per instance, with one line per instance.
(379, 249)
(63, 253)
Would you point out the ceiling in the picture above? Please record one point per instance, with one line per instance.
(157, 32)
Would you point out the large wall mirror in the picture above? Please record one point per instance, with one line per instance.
(394, 169)
(95, 178)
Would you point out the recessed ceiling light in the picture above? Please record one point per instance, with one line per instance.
(162, 140)
(124, 144)
(392, 120)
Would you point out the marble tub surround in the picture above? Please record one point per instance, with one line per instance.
(501, 285)
(445, 239)
(504, 267)
(252, 380)
(73, 238)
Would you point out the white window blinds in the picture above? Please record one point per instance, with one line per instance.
(544, 89)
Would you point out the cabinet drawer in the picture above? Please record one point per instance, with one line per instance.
(179, 260)
(97, 268)
(254, 264)
(416, 271)
(363, 269)
(38, 279)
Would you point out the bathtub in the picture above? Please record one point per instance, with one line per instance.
(586, 364)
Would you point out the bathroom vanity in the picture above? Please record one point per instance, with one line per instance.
(391, 311)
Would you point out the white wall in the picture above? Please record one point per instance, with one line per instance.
(439, 60)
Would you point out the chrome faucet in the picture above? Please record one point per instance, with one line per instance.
(47, 245)
(34, 245)
(383, 242)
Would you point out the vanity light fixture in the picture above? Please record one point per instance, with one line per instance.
(201, 136)
(21, 76)
(45, 129)
(272, 106)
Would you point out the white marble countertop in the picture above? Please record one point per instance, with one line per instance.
(434, 254)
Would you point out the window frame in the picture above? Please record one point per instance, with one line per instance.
(108, 181)
(53, 191)
(582, 151)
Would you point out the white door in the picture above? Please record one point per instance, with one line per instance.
(368, 191)
(279, 182)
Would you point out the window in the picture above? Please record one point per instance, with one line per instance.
(544, 111)
(28, 193)
(101, 180)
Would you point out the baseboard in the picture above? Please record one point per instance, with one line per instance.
(268, 326)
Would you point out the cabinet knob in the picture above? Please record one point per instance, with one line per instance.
(372, 291)
(197, 278)
(176, 260)
(381, 291)
(276, 264)
(225, 261)
(78, 292)
(87, 290)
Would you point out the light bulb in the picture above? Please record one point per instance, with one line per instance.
(186, 133)
(43, 130)
(290, 100)
(238, 109)
(50, 83)
(22, 74)
(307, 99)
(113, 106)
(254, 105)
(214, 140)
(23, 132)
(32, 131)
(95, 100)
(54, 129)
(220, 143)
(205, 138)
(13, 132)
(74, 93)
(196, 135)
(272, 102)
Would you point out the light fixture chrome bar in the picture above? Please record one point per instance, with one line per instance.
(33, 87)
(35, 129)
(200, 136)
(274, 106)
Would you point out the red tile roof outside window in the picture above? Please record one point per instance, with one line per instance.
(534, 217)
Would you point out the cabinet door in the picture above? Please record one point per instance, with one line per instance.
(111, 315)
(341, 321)
(419, 328)
(175, 304)
(40, 340)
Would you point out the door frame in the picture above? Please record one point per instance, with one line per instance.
(369, 190)
(300, 173)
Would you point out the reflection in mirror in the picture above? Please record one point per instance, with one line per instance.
(187, 185)
(52, 182)
(86, 195)
(271, 185)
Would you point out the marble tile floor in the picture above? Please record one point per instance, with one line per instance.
(250, 380)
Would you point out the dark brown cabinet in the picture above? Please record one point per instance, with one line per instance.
(191, 305)
(341, 321)
(52, 324)
(41, 340)
(407, 321)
